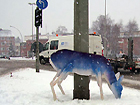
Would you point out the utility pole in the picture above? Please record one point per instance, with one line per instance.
(130, 51)
(38, 22)
(81, 44)
(105, 34)
(37, 49)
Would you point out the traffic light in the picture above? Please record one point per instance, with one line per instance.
(38, 17)
(41, 18)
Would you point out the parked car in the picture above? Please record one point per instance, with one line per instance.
(4, 57)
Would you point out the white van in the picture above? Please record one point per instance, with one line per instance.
(67, 42)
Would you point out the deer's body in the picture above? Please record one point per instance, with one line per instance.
(66, 61)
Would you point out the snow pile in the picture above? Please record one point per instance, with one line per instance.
(18, 58)
(21, 58)
(27, 87)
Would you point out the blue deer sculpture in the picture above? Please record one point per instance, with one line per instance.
(68, 61)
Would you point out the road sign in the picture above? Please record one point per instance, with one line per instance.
(42, 4)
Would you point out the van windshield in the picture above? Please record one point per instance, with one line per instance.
(46, 46)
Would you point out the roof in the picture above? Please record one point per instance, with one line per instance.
(127, 36)
(5, 33)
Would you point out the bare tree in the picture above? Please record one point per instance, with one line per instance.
(122, 27)
(108, 28)
(132, 26)
(61, 30)
(112, 30)
(101, 25)
(113, 40)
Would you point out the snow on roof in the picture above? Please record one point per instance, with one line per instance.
(5, 33)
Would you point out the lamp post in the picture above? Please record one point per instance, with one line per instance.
(32, 4)
(19, 32)
(105, 43)
(21, 38)
(105, 9)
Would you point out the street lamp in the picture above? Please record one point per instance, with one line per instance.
(19, 32)
(32, 4)
(21, 38)
(105, 43)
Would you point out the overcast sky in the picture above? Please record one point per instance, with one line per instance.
(18, 13)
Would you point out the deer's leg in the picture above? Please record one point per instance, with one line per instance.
(59, 83)
(52, 84)
(107, 80)
(65, 73)
(57, 74)
(60, 87)
(97, 80)
(52, 87)
(62, 75)
(100, 85)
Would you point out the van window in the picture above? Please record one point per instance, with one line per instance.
(46, 46)
(54, 45)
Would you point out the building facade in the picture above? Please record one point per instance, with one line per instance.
(29, 44)
(29, 40)
(123, 43)
(7, 43)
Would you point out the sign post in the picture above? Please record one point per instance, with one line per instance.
(42, 4)
(81, 44)
(37, 49)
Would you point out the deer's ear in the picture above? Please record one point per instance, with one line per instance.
(117, 75)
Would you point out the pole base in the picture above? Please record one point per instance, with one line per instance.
(81, 94)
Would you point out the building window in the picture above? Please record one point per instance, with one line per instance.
(2, 38)
(2, 43)
(2, 49)
(8, 44)
(7, 48)
(8, 38)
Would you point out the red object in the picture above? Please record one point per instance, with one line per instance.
(56, 34)
(11, 75)
(102, 52)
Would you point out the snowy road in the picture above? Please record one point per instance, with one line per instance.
(7, 66)
(131, 81)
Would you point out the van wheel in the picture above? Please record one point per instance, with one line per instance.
(42, 61)
(47, 60)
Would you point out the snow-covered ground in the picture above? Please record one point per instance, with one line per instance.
(19, 58)
(27, 87)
